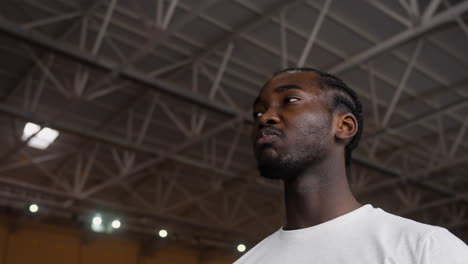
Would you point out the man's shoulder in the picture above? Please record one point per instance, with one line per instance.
(399, 237)
(387, 221)
(394, 230)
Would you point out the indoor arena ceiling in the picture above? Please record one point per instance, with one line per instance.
(152, 100)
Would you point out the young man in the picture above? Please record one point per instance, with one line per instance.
(307, 123)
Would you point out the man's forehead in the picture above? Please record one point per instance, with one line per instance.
(309, 81)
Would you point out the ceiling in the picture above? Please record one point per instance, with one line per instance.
(152, 100)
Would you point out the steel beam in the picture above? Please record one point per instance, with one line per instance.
(221, 69)
(46, 172)
(212, 78)
(430, 10)
(458, 139)
(390, 12)
(404, 124)
(269, 48)
(111, 206)
(169, 67)
(162, 157)
(155, 84)
(245, 27)
(373, 97)
(177, 121)
(35, 160)
(337, 53)
(147, 120)
(283, 38)
(407, 35)
(169, 13)
(313, 34)
(405, 5)
(418, 178)
(87, 168)
(414, 7)
(402, 83)
(85, 58)
(104, 138)
(103, 29)
(50, 20)
(428, 73)
(159, 12)
(154, 39)
(47, 72)
(102, 92)
(295, 32)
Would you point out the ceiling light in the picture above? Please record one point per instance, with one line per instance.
(115, 224)
(97, 220)
(162, 233)
(42, 139)
(33, 208)
(241, 247)
(96, 224)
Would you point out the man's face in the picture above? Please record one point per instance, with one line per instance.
(292, 128)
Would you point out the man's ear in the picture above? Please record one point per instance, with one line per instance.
(347, 127)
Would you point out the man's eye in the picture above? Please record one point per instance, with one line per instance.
(291, 99)
(257, 115)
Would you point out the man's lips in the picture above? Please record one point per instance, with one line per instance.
(267, 139)
(268, 135)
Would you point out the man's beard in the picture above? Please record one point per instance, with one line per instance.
(277, 169)
(292, 165)
(302, 156)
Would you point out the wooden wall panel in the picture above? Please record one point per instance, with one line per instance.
(24, 241)
(173, 254)
(218, 257)
(3, 241)
(42, 245)
(108, 249)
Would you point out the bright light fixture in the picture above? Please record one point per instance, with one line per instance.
(115, 224)
(241, 247)
(96, 223)
(97, 220)
(162, 233)
(33, 208)
(42, 139)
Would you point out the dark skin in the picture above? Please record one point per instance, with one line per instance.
(296, 128)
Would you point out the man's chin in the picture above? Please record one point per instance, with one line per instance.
(273, 169)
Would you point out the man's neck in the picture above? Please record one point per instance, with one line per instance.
(318, 195)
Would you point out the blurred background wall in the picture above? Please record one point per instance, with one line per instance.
(31, 241)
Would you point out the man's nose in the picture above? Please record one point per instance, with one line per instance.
(270, 117)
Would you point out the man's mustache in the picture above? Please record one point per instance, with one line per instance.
(270, 131)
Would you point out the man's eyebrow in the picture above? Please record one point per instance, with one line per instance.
(283, 88)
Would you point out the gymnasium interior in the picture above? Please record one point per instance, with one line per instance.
(126, 124)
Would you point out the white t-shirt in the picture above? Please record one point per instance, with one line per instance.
(366, 235)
